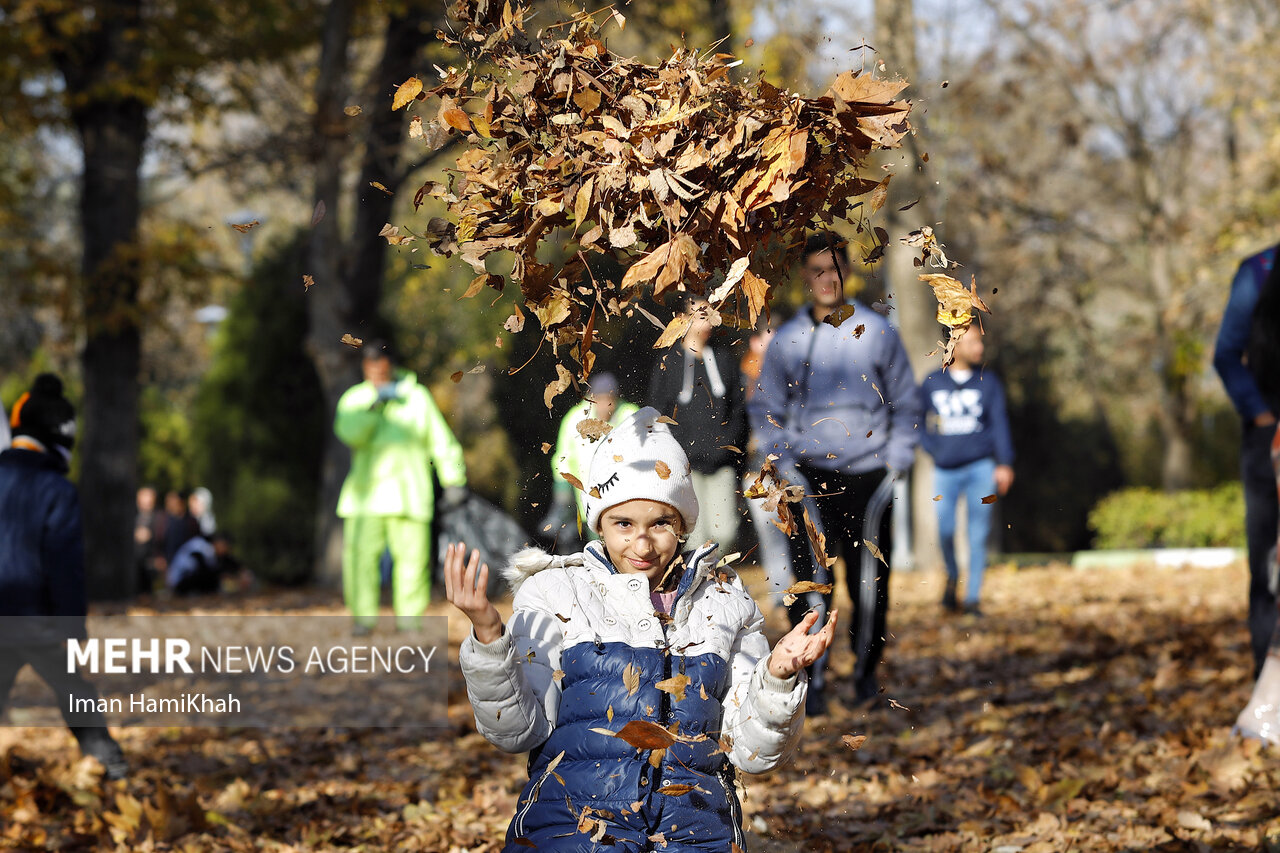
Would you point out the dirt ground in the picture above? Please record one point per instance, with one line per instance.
(1083, 711)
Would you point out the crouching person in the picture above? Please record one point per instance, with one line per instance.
(637, 677)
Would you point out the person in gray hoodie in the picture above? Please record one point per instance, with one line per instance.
(836, 401)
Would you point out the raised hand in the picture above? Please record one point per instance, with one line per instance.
(465, 585)
(799, 648)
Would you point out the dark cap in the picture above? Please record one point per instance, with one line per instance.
(44, 414)
(604, 383)
(376, 348)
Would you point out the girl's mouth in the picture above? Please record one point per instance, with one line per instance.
(640, 564)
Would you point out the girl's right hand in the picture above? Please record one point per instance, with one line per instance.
(465, 586)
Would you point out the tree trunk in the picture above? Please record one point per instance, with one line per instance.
(352, 269)
(913, 303)
(99, 68)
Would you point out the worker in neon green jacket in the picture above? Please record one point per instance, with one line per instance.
(573, 452)
(397, 435)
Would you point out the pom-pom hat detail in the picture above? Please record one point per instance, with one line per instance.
(640, 458)
(45, 415)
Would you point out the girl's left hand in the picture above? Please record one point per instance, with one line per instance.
(799, 648)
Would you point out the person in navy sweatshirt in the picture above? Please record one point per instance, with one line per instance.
(1238, 334)
(967, 434)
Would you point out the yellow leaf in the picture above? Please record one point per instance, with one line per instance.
(456, 118)
(674, 331)
(408, 91)
(676, 684)
(481, 125)
(352, 341)
(757, 291)
(631, 679)
(552, 310)
(582, 204)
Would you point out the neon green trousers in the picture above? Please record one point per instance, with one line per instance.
(363, 539)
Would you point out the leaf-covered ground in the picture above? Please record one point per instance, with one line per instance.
(1085, 711)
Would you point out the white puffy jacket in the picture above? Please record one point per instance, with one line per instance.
(583, 652)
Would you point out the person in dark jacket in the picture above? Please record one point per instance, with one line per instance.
(839, 406)
(698, 386)
(42, 587)
(967, 434)
(1258, 411)
(631, 635)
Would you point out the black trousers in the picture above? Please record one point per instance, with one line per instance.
(50, 663)
(1261, 516)
(853, 508)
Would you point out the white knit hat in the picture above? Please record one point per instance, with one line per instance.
(640, 458)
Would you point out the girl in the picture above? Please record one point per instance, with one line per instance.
(631, 633)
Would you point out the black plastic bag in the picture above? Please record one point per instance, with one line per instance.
(485, 528)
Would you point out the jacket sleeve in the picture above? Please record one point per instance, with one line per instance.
(510, 681)
(356, 423)
(1233, 340)
(905, 406)
(998, 422)
(62, 554)
(763, 715)
(660, 381)
(735, 429)
(767, 410)
(442, 444)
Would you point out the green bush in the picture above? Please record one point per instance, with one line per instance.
(1147, 518)
(260, 422)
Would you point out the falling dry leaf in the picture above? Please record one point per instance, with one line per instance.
(546, 447)
(675, 685)
(353, 110)
(593, 429)
(352, 341)
(378, 186)
(663, 470)
(875, 550)
(307, 282)
(631, 678)
(854, 742)
(572, 480)
(244, 229)
(801, 587)
(406, 93)
(838, 316)
(557, 386)
(676, 790)
(456, 376)
(317, 213)
(989, 499)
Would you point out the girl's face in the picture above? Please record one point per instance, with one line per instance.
(642, 537)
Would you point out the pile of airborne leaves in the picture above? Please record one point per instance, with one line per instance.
(676, 173)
